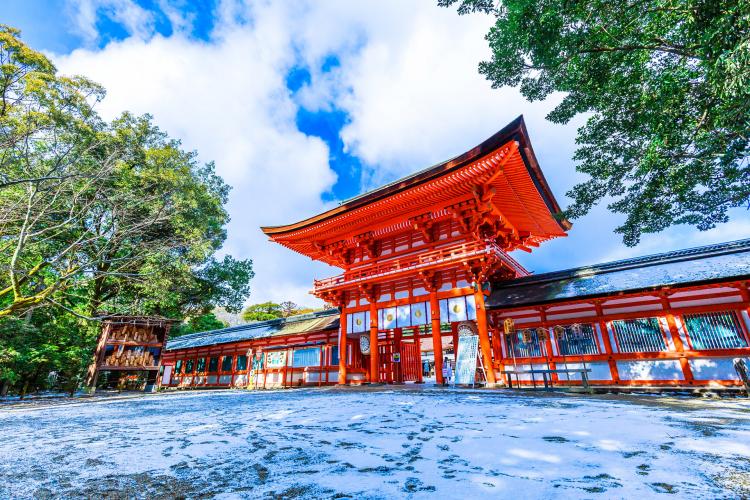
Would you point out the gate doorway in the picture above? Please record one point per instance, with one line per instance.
(411, 362)
(399, 359)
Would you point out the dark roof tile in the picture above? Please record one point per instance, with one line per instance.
(679, 268)
(303, 323)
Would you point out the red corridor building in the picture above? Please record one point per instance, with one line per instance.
(430, 252)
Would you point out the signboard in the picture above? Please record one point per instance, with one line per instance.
(166, 377)
(466, 360)
(275, 359)
(396, 357)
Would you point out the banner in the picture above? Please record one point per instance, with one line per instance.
(466, 361)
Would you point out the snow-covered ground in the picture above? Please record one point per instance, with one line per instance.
(377, 443)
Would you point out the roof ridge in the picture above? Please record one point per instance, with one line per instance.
(641, 261)
(510, 126)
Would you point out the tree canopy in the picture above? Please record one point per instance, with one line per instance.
(665, 85)
(97, 218)
(271, 310)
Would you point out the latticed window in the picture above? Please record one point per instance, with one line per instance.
(178, 366)
(241, 362)
(525, 344)
(306, 357)
(200, 366)
(715, 331)
(334, 355)
(639, 335)
(213, 364)
(575, 340)
(226, 364)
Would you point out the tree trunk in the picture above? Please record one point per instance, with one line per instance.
(24, 388)
(4, 389)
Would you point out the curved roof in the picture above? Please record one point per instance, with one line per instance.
(523, 195)
(300, 324)
(713, 263)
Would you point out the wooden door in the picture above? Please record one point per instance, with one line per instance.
(410, 362)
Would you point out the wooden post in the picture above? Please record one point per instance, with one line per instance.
(418, 343)
(98, 358)
(323, 350)
(497, 352)
(745, 294)
(484, 336)
(548, 345)
(342, 347)
(287, 359)
(327, 354)
(374, 354)
(265, 369)
(687, 372)
(437, 339)
(454, 339)
(613, 371)
(398, 372)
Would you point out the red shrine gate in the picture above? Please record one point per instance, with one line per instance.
(417, 259)
(418, 253)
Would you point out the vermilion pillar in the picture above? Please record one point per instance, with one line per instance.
(687, 372)
(548, 345)
(398, 373)
(342, 348)
(418, 342)
(614, 372)
(374, 354)
(454, 333)
(497, 352)
(437, 340)
(484, 336)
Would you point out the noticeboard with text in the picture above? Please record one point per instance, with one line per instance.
(466, 359)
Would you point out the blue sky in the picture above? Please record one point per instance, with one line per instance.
(302, 104)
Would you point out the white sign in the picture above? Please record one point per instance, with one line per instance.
(466, 360)
(167, 375)
(275, 359)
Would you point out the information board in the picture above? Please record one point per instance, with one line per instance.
(275, 359)
(466, 360)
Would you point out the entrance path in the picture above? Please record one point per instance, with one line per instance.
(377, 442)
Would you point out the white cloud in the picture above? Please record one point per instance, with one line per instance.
(135, 19)
(680, 237)
(228, 101)
(408, 80)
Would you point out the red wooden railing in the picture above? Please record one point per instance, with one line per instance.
(416, 261)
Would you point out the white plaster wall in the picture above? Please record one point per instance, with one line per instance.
(599, 371)
(714, 368)
(664, 369)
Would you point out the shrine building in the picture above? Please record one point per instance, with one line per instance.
(427, 259)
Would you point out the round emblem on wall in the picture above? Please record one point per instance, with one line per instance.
(456, 308)
(364, 344)
(358, 321)
(418, 313)
(467, 328)
(389, 317)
